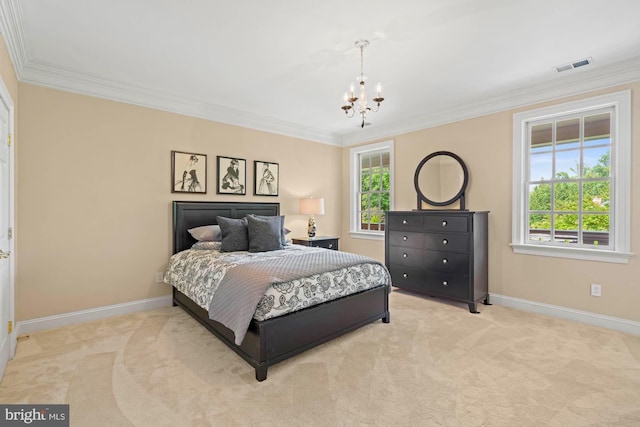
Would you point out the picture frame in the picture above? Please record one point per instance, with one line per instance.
(266, 178)
(232, 176)
(188, 172)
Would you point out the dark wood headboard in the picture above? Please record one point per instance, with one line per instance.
(187, 215)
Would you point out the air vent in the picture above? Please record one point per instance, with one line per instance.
(564, 68)
(581, 63)
(575, 64)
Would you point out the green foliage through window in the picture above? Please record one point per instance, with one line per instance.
(375, 188)
(555, 207)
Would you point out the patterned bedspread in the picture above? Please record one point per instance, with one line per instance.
(197, 274)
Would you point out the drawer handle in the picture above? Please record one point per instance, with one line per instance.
(445, 241)
(444, 260)
(330, 245)
(405, 275)
(445, 283)
(404, 255)
(404, 238)
(444, 223)
(404, 221)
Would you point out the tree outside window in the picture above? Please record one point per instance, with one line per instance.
(375, 188)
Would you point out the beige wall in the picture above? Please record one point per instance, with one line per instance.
(94, 198)
(485, 144)
(7, 72)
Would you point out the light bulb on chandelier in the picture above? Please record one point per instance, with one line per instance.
(354, 104)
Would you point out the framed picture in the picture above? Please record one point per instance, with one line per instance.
(266, 178)
(188, 172)
(232, 175)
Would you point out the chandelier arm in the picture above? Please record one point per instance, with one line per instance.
(353, 113)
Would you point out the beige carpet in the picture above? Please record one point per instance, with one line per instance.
(434, 364)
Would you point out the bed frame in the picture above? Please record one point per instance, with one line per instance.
(273, 340)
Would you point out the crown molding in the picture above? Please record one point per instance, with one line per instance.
(564, 86)
(44, 75)
(14, 34)
(581, 82)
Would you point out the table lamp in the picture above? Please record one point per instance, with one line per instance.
(310, 206)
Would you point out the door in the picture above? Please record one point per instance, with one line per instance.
(6, 221)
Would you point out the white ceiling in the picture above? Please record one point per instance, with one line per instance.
(284, 65)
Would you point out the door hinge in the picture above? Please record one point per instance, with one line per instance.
(10, 233)
(9, 140)
(9, 327)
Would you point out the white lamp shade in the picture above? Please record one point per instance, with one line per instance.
(311, 206)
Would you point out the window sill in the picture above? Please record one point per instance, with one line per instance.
(573, 253)
(365, 235)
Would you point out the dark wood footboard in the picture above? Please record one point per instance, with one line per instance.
(271, 341)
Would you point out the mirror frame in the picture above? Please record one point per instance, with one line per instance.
(458, 196)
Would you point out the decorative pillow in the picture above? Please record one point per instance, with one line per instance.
(284, 232)
(211, 246)
(265, 233)
(206, 233)
(235, 235)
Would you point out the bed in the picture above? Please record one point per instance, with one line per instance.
(273, 340)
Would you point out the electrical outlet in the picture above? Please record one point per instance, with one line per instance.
(596, 290)
(159, 277)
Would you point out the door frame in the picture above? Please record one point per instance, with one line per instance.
(6, 97)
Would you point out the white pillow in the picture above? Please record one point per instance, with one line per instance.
(206, 233)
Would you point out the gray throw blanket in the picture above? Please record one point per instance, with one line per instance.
(242, 287)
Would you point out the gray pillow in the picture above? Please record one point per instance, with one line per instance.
(206, 233)
(284, 231)
(235, 236)
(265, 233)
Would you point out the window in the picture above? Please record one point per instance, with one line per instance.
(572, 179)
(371, 189)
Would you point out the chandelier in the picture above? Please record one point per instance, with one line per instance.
(353, 104)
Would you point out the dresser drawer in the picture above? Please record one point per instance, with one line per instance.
(405, 222)
(458, 224)
(451, 285)
(449, 242)
(406, 256)
(448, 262)
(407, 239)
(407, 277)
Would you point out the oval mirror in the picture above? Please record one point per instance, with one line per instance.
(441, 179)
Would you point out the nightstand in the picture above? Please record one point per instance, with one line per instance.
(327, 242)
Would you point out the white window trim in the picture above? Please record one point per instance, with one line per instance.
(621, 179)
(354, 177)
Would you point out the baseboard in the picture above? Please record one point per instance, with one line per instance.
(58, 320)
(615, 323)
(50, 322)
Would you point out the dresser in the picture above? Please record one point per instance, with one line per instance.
(328, 242)
(439, 253)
